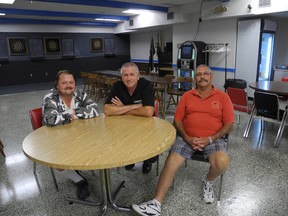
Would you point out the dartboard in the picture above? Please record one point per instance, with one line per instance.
(18, 46)
(53, 45)
(97, 44)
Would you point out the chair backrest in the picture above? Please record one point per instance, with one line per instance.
(36, 118)
(266, 105)
(238, 98)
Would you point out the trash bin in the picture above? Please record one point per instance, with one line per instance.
(235, 83)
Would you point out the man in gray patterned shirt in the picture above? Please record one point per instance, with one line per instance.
(62, 105)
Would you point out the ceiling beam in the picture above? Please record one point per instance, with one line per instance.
(60, 14)
(108, 3)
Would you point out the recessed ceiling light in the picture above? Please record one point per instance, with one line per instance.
(109, 20)
(133, 11)
(7, 1)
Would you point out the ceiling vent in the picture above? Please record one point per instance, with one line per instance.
(170, 16)
(264, 3)
(131, 22)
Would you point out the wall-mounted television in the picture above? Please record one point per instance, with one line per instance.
(186, 52)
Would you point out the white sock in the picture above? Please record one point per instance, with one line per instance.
(208, 182)
(157, 202)
(71, 174)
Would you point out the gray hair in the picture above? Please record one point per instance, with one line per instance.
(203, 65)
(129, 64)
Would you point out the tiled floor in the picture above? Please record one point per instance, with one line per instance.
(255, 183)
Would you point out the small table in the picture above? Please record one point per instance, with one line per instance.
(276, 87)
(100, 143)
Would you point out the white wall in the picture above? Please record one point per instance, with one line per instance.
(140, 43)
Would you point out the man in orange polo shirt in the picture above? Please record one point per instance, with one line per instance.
(203, 116)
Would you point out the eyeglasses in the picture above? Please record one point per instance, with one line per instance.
(205, 74)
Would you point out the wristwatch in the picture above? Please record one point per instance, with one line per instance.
(210, 140)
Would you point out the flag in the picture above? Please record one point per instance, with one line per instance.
(151, 56)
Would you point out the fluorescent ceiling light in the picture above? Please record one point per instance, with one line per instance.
(7, 1)
(133, 11)
(2, 14)
(110, 20)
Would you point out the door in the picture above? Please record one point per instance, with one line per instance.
(248, 37)
(265, 57)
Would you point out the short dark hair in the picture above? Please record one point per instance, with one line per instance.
(63, 72)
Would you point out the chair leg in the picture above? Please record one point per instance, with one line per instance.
(161, 108)
(34, 168)
(168, 104)
(54, 179)
(281, 129)
(220, 188)
(247, 129)
(2, 149)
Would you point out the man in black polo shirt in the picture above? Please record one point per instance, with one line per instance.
(132, 96)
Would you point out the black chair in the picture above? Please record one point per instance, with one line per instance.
(266, 108)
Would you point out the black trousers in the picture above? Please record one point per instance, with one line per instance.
(151, 160)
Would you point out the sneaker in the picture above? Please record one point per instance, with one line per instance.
(208, 192)
(147, 167)
(151, 208)
(82, 190)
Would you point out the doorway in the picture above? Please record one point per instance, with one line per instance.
(265, 57)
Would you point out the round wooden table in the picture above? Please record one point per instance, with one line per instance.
(276, 87)
(100, 143)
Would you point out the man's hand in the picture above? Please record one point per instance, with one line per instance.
(198, 143)
(117, 102)
(73, 116)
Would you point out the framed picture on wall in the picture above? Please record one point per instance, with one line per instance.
(17, 46)
(96, 44)
(52, 45)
